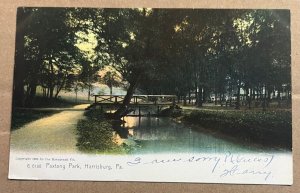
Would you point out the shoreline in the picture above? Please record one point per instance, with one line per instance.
(244, 126)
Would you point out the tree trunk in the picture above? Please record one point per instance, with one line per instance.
(216, 101)
(203, 95)
(48, 92)
(268, 98)
(51, 89)
(278, 98)
(20, 68)
(264, 94)
(51, 79)
(123, 109)
(59, 87)
(199, 98)
(249, 97)
(44, 92)
(196, 94)
(110, 90)
(237, 106)
(31, 94)
(184, 100)
(89, 93)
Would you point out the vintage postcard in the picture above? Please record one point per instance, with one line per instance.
(159, 95)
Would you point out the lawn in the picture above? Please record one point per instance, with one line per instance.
(269, 128)
(20, 117)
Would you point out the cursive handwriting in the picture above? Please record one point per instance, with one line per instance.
(208, 159)
(234, 164)
(235, 170)
(239, 159)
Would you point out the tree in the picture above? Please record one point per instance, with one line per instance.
(158, 51)
(111, 79)
(47, 55)
(20, 68)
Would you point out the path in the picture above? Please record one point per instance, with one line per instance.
(56, 133)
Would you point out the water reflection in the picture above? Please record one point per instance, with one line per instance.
(163, 135)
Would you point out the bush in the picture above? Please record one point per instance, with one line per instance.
(95, 133)
(95, 114)
(267, 128)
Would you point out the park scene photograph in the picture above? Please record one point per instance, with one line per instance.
(129, 81)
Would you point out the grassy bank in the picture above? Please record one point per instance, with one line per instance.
(271, 128)
(95, 133)
(43, 102)
(20, 117)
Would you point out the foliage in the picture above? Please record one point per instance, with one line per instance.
(267, 128)
(95, 133)
(111, 79)
(178, 52)
(158, 51)
(94, 114)
(46, 54)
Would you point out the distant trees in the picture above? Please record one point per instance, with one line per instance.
(190, 53)
(226, 51)
(111, 79)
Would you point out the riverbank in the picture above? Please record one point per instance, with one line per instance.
(95, 134)
(270, 128)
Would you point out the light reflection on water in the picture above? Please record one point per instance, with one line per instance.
(163, 135)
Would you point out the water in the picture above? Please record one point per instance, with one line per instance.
(164, 135)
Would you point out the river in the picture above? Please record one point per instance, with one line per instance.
(164, 135)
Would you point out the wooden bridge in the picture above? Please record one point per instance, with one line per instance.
(137, 101)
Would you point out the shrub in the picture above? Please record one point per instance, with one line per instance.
(267, 128)
(95, 133)
(95, 114)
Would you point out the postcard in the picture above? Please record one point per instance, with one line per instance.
(152, 94)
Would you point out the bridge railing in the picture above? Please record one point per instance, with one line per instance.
(136, 99)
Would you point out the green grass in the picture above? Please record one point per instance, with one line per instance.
(270, 128)
(20, 117)
(42, 102)
(96, 134)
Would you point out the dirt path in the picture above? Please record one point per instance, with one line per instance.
(56, 133)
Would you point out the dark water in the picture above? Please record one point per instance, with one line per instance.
(164, 135)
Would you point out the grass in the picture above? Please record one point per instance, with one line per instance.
(20, 117)
(42, 102)
(96, 134)
(270, 128)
